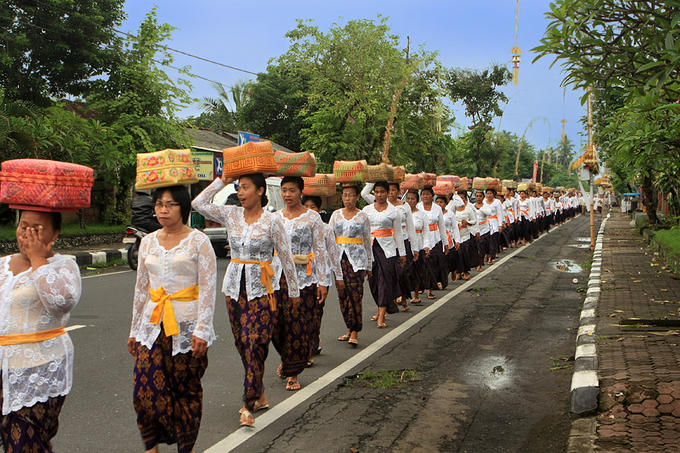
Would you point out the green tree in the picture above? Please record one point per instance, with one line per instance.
(49, 48)
(138, 104)
(598, 44)
(480, 94)
(354, 72)
(421, 139)
(276, 100)
(225, 113)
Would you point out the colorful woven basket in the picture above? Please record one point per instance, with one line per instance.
(295, 164)
(169, 167)
(350, 170)
(429, 179)
(399, 174)
(380, 172)
(412, 181)
(251, 157)
(321, 185)
(45, 185)
(443, 188)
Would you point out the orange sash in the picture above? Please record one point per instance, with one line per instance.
(265, 277)
(384, 233)
(34, 337)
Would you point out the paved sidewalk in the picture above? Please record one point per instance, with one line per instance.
(639, 360)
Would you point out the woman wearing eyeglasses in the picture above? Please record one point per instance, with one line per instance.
(172, 324)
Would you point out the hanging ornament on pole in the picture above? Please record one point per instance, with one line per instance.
(516, 51)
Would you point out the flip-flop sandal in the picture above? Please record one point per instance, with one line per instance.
(374, 318)
(247, 418)
(292, 386)
(353, 341)
(345, 337)
(431, 296)
(416, 301)
(382, 326)
(405, 308)
(260, 407)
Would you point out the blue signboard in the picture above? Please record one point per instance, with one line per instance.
(219, 162)
(245, 137)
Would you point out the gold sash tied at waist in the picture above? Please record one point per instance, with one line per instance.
(266, 277)
(164, 306)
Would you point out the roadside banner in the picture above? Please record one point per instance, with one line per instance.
(204, 165)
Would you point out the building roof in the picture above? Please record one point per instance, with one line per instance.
(209, 140)
(212, 141)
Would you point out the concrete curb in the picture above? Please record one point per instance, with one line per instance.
(585, 384)
(101, 256)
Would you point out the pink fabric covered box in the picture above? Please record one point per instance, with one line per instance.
(45, 185)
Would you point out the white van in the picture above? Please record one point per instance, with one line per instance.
(218, 235)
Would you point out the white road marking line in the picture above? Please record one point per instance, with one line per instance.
(75, 327)
(107, 274)
(241, 435)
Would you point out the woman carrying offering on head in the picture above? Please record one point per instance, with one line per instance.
(249, 282)
(39, 290)
(295, 326)
(172, 324)
(385, 221)
(352, 232)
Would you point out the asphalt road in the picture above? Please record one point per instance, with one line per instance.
(484, 359)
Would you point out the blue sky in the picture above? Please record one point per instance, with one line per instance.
(467, 33)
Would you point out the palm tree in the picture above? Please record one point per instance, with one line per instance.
(565, 152)
(226, 110)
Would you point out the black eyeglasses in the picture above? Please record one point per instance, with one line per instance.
(168, 205)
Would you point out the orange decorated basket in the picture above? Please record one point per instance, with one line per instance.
(321, 185)
(251, 157)
(295, 164)
(45, 185)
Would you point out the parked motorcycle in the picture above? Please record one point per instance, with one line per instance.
(133, 238)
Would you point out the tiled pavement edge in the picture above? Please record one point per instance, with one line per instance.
(96, 257)
(639, 359)
(584, 383)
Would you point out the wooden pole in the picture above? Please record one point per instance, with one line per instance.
(519, 150)
(590, 148)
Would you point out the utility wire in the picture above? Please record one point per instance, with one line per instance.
(121, 32)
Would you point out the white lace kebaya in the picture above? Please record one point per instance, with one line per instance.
(249, 242)
(435, 230)
(36, 301)
(306, 235)
(360, 256)
(419, 224)
(387, 219)
(190, 263)
(334, 256)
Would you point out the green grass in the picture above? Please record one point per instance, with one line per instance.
(384, 379)
(8, 232)
(100, 268)
(670, 239)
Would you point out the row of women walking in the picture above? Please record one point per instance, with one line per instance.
(282, 264)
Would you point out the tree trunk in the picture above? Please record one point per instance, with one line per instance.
(651, 200)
